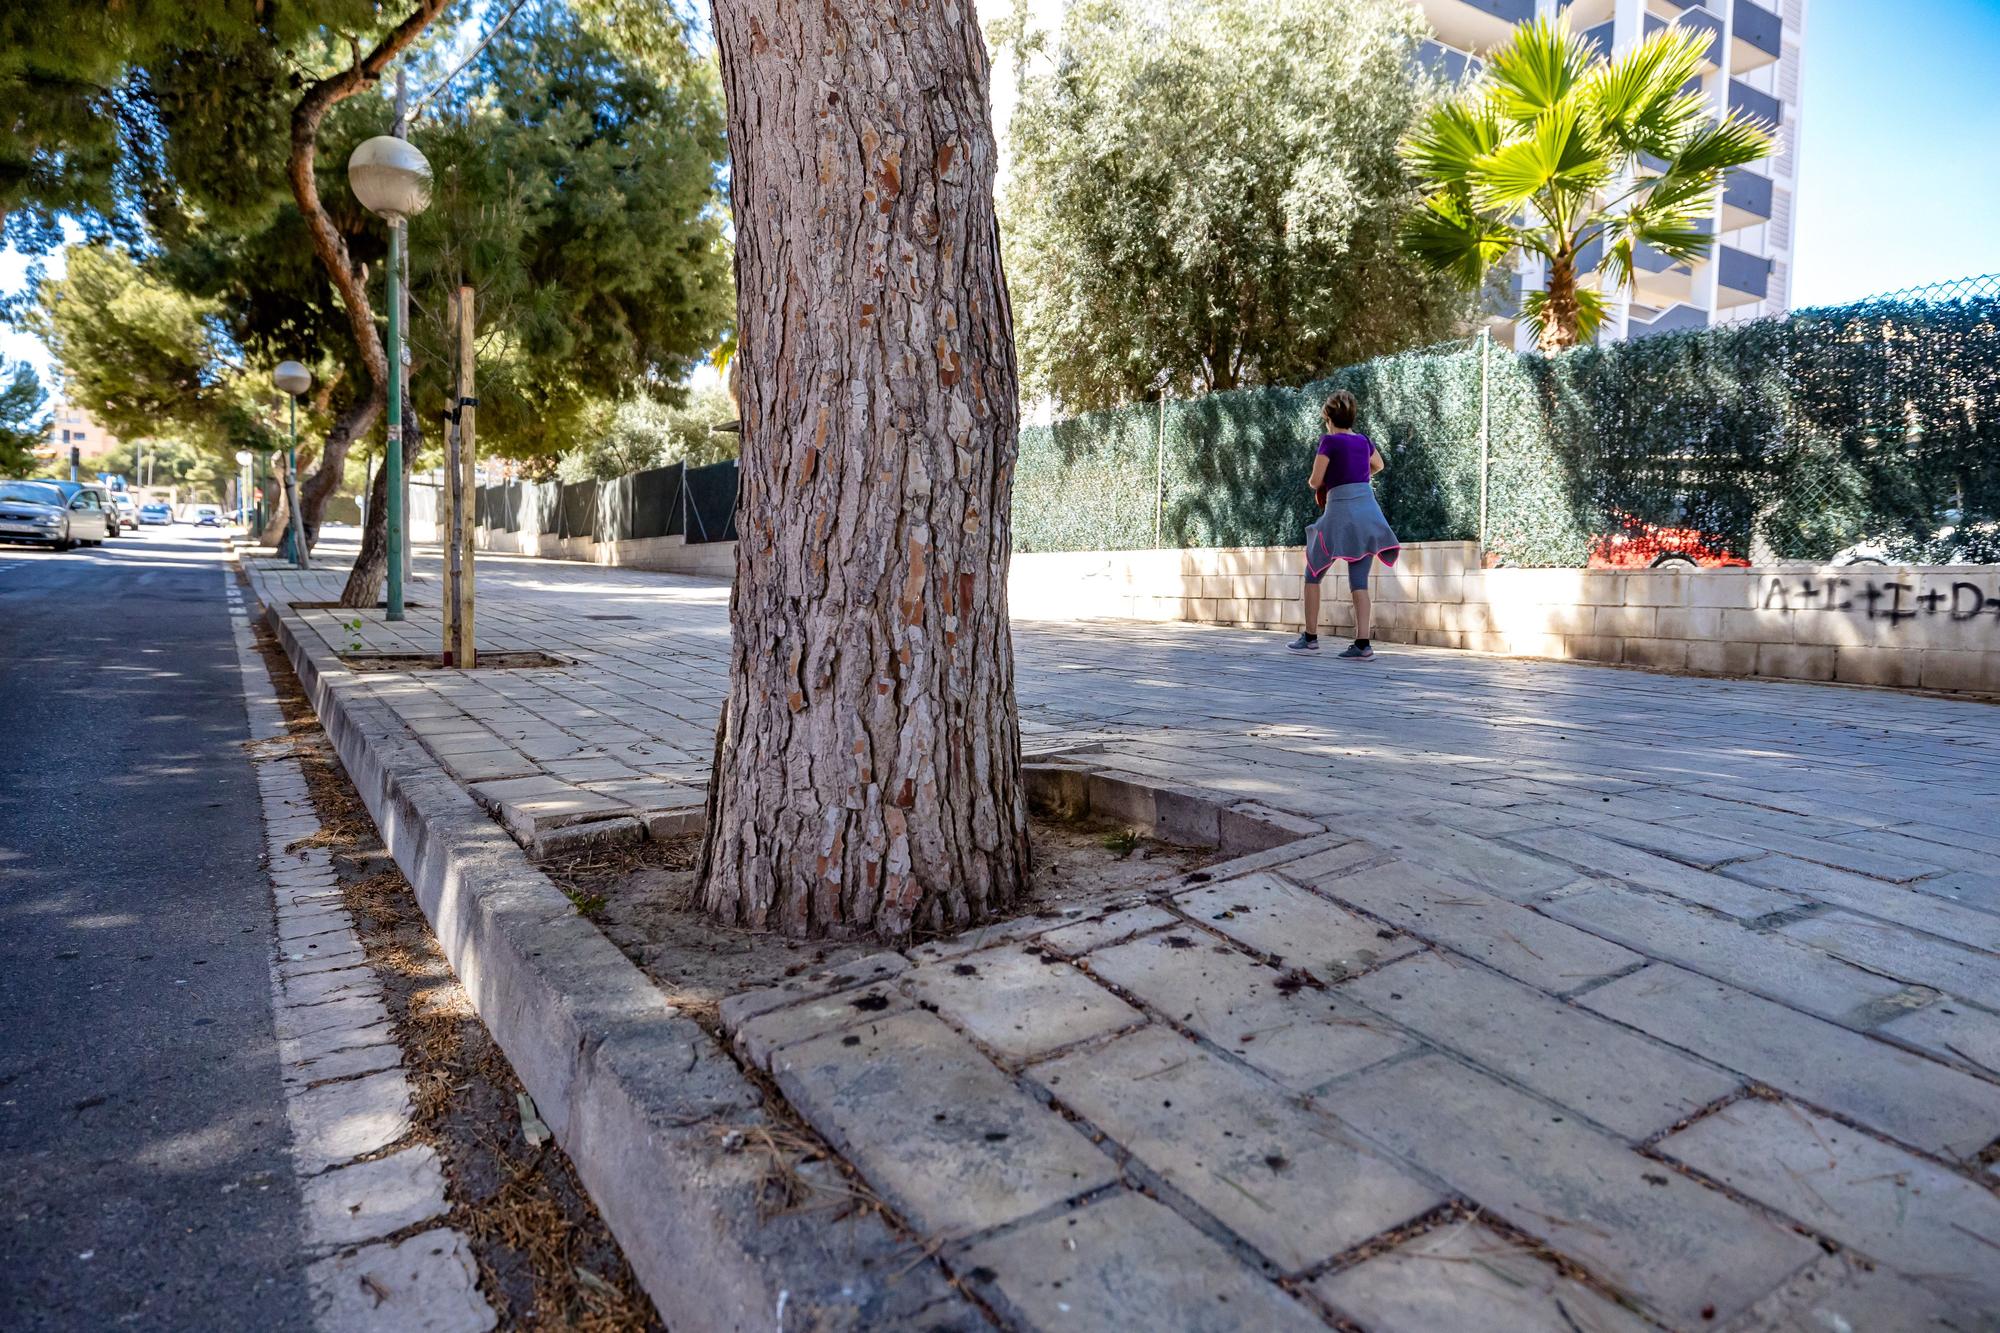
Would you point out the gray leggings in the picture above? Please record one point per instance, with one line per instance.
(1357, 573)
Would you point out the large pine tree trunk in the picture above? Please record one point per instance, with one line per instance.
(363, 588)
(867, 774)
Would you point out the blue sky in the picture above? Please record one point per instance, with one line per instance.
(1899, 155)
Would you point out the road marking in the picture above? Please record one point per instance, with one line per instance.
(347, 1099)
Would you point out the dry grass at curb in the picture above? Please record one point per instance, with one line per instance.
(546, 1258)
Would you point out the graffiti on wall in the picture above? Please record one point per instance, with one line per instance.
(1892, 600)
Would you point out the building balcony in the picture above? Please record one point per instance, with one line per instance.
(1675, 319)
(1746, 200)
(1757, 36)
(1658, 280)
(1759, 106)
(1475, 25)
(1741, 278)
(1447, 64)
(1700, 20)
(1586, 13)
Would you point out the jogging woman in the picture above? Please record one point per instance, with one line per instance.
(1350, 526)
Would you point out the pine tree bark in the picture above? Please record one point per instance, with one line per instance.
(867, 775)
(363, 588)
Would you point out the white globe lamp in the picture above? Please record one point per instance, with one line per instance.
(390, 177)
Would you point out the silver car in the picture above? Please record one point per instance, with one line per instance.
(38, 511)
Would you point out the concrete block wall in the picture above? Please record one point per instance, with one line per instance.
(670, 555)
(1907, 627)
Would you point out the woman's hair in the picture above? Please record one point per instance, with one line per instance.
(1340, 409)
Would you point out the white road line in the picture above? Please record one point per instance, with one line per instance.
(346, 1095)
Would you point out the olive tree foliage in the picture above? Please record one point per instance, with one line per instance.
(1211, 189)
(642, 433)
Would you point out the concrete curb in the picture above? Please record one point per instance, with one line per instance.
(635, 1091)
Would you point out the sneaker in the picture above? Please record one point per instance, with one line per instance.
(1359, 652)
(1305, 643)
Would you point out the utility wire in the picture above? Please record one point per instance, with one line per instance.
(417, 109)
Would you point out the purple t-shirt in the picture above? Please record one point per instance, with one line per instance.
(1347, 456)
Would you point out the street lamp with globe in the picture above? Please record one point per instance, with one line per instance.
(243, 457)
(393, 180)
(292, 380)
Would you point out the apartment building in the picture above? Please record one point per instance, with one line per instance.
(1753, 66)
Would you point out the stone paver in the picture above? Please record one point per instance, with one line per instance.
(1506, 937)
(1587, 851)
(425, 1284)
(1293, 925)
(1084, 936)
(1842, 1295)
(1874, 1197)
(1467, 1276)
(1126, 1262)
(1904, 953)
(1674, 1246)
(1767, 965)
(1300, 1035)
(1917, 1101)
(1019, 1004)
(1627, 1083)
(337, 1122)
(1294, 1185)
(1909, 905)
(1952, 1032)
(368, 1200)
(932, 1125)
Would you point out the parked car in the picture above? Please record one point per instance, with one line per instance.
(207, 516)
(1644, 545)
(127, 509)
(156, 515)
(39, 512)
(99, 496)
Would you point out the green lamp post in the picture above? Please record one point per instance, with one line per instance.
(392, 180)
(292, 380)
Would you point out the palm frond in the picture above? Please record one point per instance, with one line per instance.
(1449, 236)
(1590, 311)
(1537, 69)
(1447, 144)
(1560, 156)
(1733, 141)
(1638, 97)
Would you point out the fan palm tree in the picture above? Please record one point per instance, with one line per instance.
(1556, 147)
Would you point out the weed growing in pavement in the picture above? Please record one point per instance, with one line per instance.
(1121, 842)
(589, 906)
(355, 643)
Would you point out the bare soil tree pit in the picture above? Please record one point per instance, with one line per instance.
(546, 1258)
(645, 899)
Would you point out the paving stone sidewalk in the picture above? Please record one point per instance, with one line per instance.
(1586, 998)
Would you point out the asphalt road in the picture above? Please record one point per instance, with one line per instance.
(144, 1175)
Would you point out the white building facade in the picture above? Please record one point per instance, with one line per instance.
(1753, 66)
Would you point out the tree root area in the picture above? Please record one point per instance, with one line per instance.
(644, 898)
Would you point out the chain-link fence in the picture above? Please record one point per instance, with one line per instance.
(1869, 430)
(698, 503)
